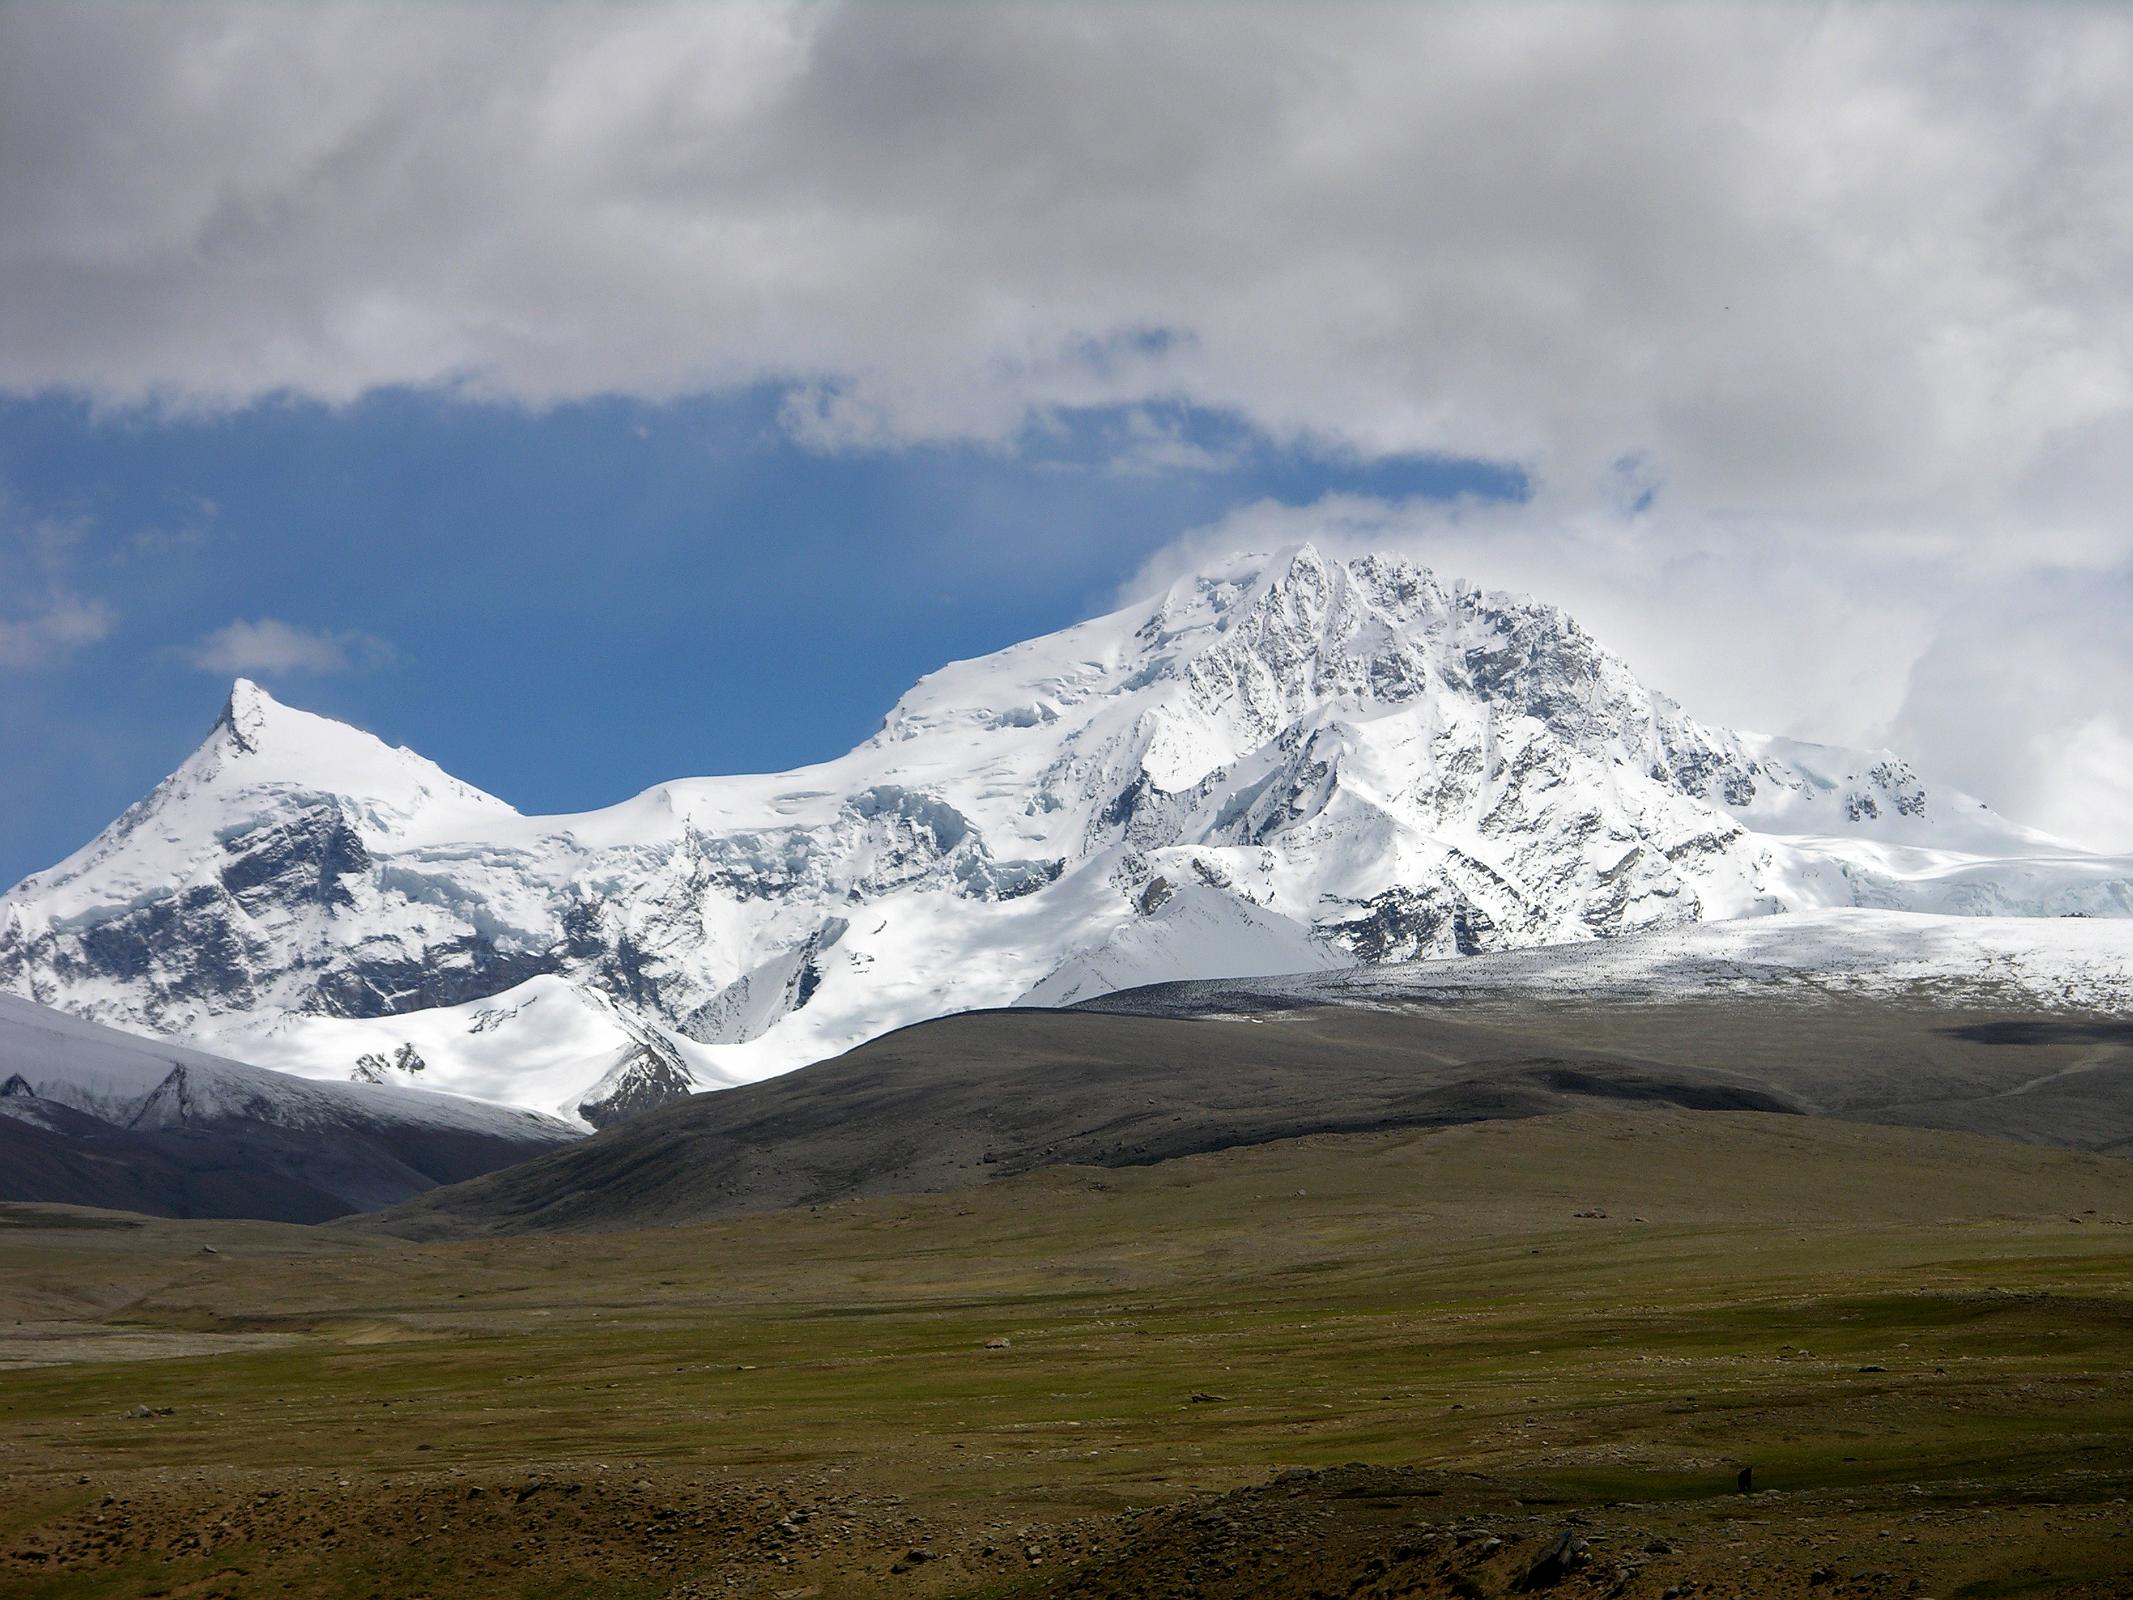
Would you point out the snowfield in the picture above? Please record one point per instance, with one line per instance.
(2070, 964)
(129, 1082)
(1286, 764)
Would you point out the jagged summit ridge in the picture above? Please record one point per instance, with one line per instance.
(1281, 763)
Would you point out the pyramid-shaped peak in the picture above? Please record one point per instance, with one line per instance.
(261, 741)
(246, 696)
(254, 723)
(246, 715)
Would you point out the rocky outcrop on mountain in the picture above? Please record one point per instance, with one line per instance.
(1285, 763)
(646, 1075)
(375, 1066)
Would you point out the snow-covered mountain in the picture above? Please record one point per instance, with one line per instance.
(1284, 764)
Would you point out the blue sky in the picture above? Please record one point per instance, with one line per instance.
(566, 606)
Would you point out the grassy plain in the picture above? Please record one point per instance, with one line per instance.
(1381, 1364)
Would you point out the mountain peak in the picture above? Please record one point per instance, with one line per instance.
(264, 768)
(245, 715)
(1300, 558)
(260, 743)
(270, 734)
(1248, 573)
(1287, 760)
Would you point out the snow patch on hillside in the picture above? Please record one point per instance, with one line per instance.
(135, 1082)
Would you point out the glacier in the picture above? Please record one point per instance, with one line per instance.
(1286, 763)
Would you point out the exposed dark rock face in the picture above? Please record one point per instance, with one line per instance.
(448, 974)
(756, 1001)
(1415, 924)
(648, 1077)
(986, 879)
(306, 857)
(377, 1066)
(1471, 928)
(187, 945)
(1535, 662)
(1398, 925)
(1128, 804)
(809, 977)
(1154, 897)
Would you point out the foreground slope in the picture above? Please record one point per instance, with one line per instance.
(1370, 1365)
(93, 1116)
(1287, 762)
(1147, 1077)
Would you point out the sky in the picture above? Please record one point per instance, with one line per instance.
(588, 396)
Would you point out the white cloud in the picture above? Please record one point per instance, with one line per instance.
(270, 645)
(2088, 783)
(2022, 695)
(1862, 263)
(53, 630)
(43, 618)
